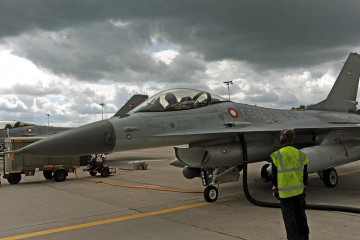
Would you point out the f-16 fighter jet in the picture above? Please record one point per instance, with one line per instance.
(212, 126)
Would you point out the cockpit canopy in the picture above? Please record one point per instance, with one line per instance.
(178, 99)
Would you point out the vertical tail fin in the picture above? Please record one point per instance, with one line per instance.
(342, 97)
(134, 101)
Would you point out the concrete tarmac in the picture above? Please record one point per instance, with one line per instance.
(41, 209)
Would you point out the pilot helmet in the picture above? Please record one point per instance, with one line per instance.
(170, 97)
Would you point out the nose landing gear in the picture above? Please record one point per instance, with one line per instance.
(213, 176)
(211, 193)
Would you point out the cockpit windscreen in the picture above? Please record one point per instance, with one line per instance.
(178, 99)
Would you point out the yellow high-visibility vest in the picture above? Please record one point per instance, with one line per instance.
(290, 164)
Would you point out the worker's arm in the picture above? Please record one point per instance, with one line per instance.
(274, 174)
(274, 181)
(305, 175)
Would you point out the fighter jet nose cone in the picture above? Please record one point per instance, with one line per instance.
(98, 137)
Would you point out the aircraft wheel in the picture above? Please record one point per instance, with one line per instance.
(60, 175)
(265, 174)
(211, 193)
(330, 177)
(48, 174)
(92, 173)
(14, 178)
(105, 172)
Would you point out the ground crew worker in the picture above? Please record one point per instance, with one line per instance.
(289, 171)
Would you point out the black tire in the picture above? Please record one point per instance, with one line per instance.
(14, 178)
(264, 173)
(60, 175)
(8, 126)
(48, 174)
(211, 193)
(92, 173)
(105, 172)
(330, 177)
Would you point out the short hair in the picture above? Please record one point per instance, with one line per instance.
(288, 135)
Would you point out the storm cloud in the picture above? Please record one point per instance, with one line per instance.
(279, 53)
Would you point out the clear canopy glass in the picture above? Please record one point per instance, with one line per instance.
(178, 99)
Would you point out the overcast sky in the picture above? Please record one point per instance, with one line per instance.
(63, 58)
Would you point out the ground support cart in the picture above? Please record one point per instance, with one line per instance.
(56, 168)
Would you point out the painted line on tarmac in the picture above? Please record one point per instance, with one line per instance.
(347, 173)
(62, 229)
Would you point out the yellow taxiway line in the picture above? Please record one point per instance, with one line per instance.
(347, 173)
(62, 229)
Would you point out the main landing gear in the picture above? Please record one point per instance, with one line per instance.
(329, 177)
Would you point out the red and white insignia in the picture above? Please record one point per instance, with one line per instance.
(29, 130)
(233, 113)
(349, 72)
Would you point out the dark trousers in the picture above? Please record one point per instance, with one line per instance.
(293, 211)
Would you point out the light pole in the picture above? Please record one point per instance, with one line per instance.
(102, 110)
(48, 119)
(228, 85)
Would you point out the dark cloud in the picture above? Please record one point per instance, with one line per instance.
(103, 51)
(256, 42)
(266, 34)
(99, 51)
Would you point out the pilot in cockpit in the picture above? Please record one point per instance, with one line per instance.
(171, 99)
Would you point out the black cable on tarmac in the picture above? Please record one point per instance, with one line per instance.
(277, 205)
